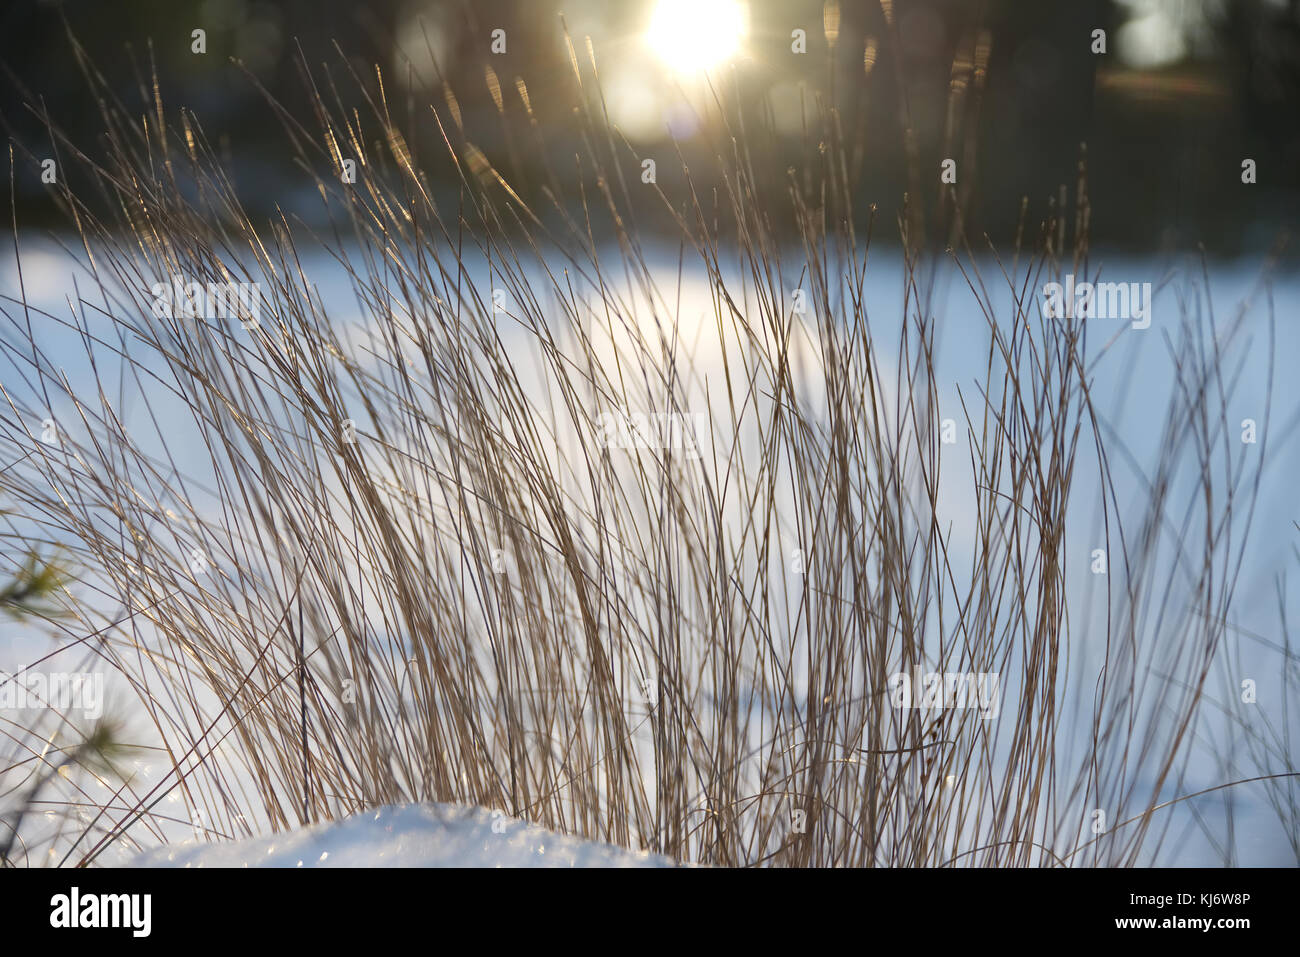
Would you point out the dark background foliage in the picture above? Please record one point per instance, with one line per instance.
(1165, 137)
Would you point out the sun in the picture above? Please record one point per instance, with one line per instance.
(694, 35)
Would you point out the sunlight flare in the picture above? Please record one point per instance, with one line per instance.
(692, 35)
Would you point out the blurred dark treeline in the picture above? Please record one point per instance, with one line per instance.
(1010, 89)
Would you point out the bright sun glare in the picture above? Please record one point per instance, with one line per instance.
(692, 35)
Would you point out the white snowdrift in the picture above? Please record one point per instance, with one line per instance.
(410, 835)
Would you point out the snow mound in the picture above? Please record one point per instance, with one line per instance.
(410, 835)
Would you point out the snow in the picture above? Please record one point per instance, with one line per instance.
(410, 835)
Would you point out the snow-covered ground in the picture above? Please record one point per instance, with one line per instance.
(410, 835)
(1131, 382)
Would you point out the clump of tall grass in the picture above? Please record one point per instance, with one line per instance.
(381, 550)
